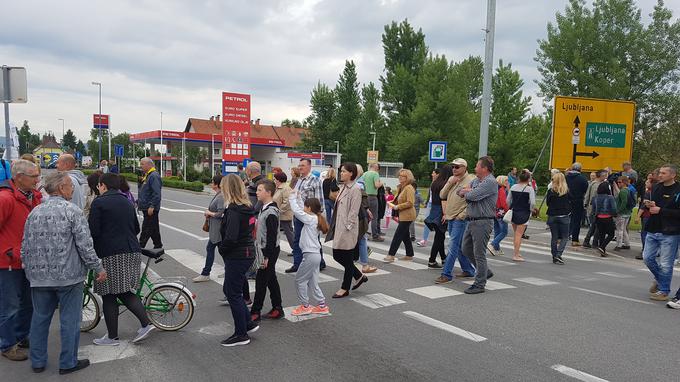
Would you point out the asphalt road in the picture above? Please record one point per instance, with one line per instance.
(588, 320)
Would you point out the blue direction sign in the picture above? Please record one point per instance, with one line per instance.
(118, 150)
(438, 151)
(79, 156)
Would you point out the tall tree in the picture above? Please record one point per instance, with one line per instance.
(509, 110)
(608, 52)
(405, 54)
(68, 142)
(292, 123)
(346, 122)
(320, 122)
(27, 140)
(80, 147)
(360, 139)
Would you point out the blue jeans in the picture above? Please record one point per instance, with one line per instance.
(559, 231)
(209, 258)
(45, 301)
(363, 251)
(297, 252)
(500, 231)
(659, 255)
(456, 230)
(329, 204)
(15, 307)
(643, 232)
(234, 277)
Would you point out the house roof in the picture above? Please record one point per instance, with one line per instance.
(290, 135)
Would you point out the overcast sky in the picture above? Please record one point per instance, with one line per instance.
(176, 57)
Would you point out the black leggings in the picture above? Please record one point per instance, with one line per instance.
(605, 231)
(131, 302)
(346, 258)
(438, 246)
(402, 235)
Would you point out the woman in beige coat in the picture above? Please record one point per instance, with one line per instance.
(346, 228)
(404, 207)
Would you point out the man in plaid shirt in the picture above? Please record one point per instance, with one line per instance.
(308, 186)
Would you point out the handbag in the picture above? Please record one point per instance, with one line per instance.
(508, 216)
(206, 225)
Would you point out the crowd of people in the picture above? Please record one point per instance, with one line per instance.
(93, 225)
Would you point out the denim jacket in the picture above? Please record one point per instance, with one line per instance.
(604, 205)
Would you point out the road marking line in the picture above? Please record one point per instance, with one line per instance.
(180, 210)
(186, 204)
(99, 354)
(536, 281)
(183, 231)
(612, 295)
(500, 263)
(377, 300)
(282, 265)
(492, 285)
(545, 252)
(288, 311)
(577, 374)
(614, 274)
(401, 263)
(444, 326)
(330, 262)
(434, 291)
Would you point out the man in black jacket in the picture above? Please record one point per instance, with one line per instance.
(663, 232)
(578, 185)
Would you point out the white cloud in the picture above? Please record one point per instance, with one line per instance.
(176, 57)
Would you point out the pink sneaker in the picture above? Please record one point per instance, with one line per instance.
(302, 310)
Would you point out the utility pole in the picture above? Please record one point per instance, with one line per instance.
(161, 148)
(488, 76)
(100, 120)
(373, 134)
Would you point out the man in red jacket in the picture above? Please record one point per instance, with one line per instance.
(18, 197)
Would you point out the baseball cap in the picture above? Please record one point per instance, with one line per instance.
(460, 162)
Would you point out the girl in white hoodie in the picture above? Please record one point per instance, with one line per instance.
(307, 276)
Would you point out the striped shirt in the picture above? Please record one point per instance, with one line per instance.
(482, 198)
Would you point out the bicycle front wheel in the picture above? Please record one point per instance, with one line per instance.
(169, 307)
(91, 313)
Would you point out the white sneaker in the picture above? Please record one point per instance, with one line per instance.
(673, 304)
(200, 278)
(421, 243)
(105, 341)
(223, 302)
(144, 332)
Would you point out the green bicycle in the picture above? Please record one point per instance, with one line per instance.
(169, 304)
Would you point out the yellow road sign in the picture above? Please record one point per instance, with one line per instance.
(371, 156)
(596, 132)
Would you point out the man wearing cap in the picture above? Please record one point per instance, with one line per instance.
(481, 195)
(455, 212)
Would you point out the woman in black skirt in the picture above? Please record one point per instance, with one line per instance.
(114, 228)
(522, 200)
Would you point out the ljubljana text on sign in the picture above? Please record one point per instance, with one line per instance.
(606, 125)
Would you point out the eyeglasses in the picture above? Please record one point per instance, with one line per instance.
(456, 167)
(402, 176)
(30, 176)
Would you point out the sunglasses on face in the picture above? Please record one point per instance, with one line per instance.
(456, 167)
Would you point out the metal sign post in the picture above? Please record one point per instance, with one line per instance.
(13, 89)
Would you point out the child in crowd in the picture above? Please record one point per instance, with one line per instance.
(389, 197)
(267, 242)
(307, 276)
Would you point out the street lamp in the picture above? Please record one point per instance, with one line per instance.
(337, 153)
(62, 130)
(373, 134)
(322, 161)
(99, 132)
